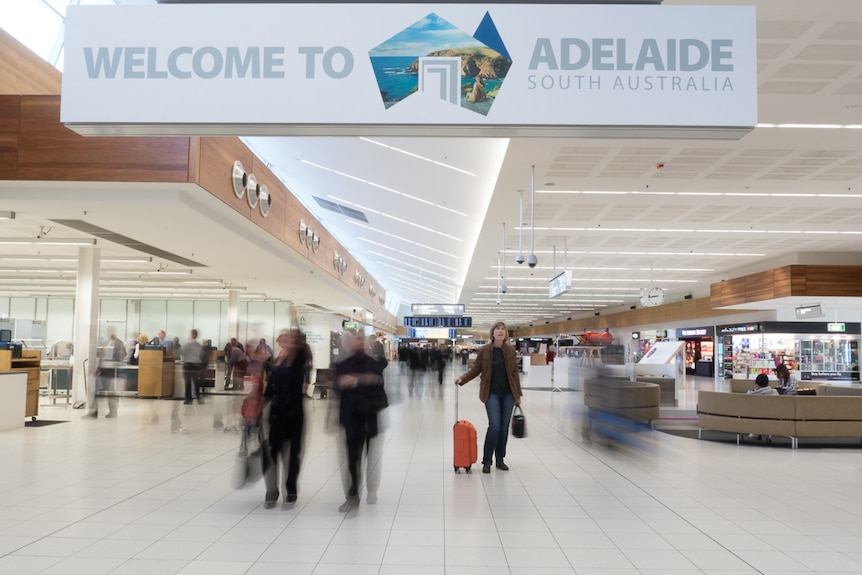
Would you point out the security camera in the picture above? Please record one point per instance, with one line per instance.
(532, 260)
(503, 288)
(519, 259)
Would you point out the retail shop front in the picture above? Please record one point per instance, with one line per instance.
(814, 351)
(699, 350)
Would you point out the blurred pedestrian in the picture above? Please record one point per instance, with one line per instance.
(359, 383)
(438, 363)
(283, 394)
(192, 356)
(237, 364)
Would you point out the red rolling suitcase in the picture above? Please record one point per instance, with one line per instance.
(466, 450)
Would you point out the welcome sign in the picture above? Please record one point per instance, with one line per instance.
(415, 69)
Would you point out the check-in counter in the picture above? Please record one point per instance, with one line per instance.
(13, 399)
(155, 373)
(28, 363)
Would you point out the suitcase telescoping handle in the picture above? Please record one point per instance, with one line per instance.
(457, 393)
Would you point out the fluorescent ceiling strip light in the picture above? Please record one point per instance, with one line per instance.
(400, 270)
(46, 242)
(408, 254)
(148, 272)
(421, 294)
(665, 230)
(403, 263)
(413, 289)
(727, 194)
(411, 281)
(402, 239)
(417, 156)
(641, 253)
(609, 280)
(38, 271)
(446, 285)
(396, 218)
(384, 188)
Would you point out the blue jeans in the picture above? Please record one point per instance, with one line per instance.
(499, 408)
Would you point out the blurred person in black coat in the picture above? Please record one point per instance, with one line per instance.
(359, 384)
(283, 395)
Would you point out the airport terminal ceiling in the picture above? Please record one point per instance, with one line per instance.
(621, 214)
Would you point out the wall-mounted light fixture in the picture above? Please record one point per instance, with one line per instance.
(6, 215)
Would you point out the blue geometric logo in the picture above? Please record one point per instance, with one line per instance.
(434, 57)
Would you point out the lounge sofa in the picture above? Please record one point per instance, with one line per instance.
(633, 400)
(792, 416)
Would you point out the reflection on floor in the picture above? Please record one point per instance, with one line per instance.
(127, 496)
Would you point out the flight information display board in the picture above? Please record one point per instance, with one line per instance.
(438, 321)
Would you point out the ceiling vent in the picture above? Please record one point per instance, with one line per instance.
(339, 209)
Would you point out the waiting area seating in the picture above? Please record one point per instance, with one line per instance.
(324, 381)
(633, 400)
(835, 411)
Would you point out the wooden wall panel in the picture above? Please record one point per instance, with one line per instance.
(47, 150)
(793, 280)
(733, 292)
(782, 279)
(759, 286)
(10, 107)
(833, 281)
(22, 72)
(294, 211)
(798, 280)
(275, 222)
(665, 314)
(217, 156)
(324, 255)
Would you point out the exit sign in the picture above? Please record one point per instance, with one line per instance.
(835, 327)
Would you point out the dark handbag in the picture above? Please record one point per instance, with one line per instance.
(519, 423)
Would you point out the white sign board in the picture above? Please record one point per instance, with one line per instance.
(662, 352)
(559, 284)
(437, 309)
(426, 69)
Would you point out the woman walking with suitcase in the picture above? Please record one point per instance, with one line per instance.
(499, 390)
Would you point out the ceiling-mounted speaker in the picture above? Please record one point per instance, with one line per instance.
(265, 201)
(238, 179)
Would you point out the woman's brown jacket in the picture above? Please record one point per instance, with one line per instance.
(483, 365)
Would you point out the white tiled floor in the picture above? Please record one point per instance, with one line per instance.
(125, 496)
